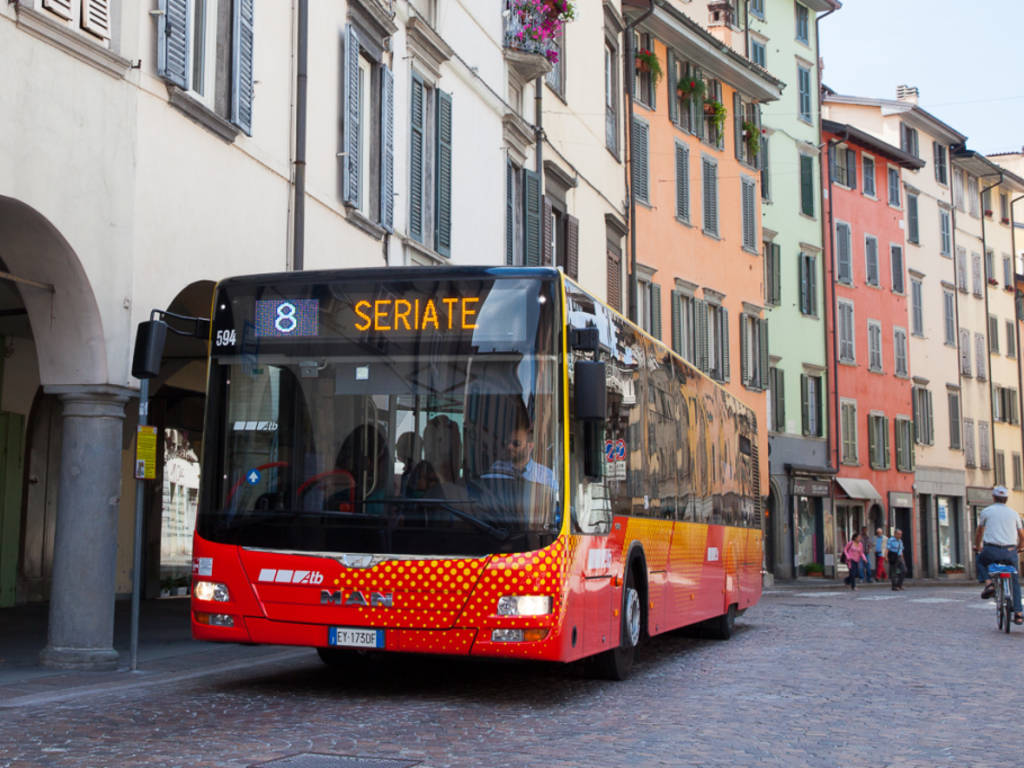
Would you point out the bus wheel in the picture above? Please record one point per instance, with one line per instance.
(617, 663)
(721, 628)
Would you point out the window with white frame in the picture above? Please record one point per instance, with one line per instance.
(1018, 476)
(961, 270)
(958, 190)
(803, 78)
(993, 334)
(758, 53)
(757, 8)
(878, 441)
(89, 16)
(753, 351)
(990, 266)
(949, 316)
(649, 305)
(903, 428)
(717, 342)
(611, 95)
(772, 273)
(683, 325)
(844, 263)
(909, 140)
(945, 233)
(924, 428)
(868, 173)
(916, 306)
(1004, 208)
(953, 410)
(939, 158)
(810, 405)
(205, 47)
(899, 338)
(802, 23)
(843, 165)
(871, 260)
(847, 346)
(973, 197)
(894, 187)
(874, 346)
(896, 265)
(430, 174)
(1007, 272)
(848, 430)
(1000, 468)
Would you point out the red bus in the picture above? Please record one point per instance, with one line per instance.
(477, 461)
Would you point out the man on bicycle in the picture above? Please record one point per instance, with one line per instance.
(999, 539)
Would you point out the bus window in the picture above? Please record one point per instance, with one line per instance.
(662, 435)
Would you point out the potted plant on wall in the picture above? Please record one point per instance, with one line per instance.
(691, 88)
(646, 61)
(753, 138)
(717, 112)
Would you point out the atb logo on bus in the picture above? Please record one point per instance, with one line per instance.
(377, 599)
(287, 576)
(614, 450)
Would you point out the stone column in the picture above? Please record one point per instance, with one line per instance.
(81, 626)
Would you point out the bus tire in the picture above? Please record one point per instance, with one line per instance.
(617, 663)
(721, 628)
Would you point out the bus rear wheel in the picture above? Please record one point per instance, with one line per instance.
(721, 627)
(617, 663)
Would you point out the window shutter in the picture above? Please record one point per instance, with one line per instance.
(96, 17)
(749, 219)
(917, 416)
(241, 69)
(572, 246)
(532, 217)
(614, 279)
(710, 184)
(173, 43)
(673, 97)
(843, 242)
(546, 250)
(63, 8)
(700, 324)
(655, 310)
(872, 444)
(886, 453)
(724, 335)
(745, 353)
(807, 184)
(387, 153)
(443, 172)
(762, 339)
(417, 124)
(912, 232)
(805, 406)
(812, 284)
(776, 257)
(780, 399)
(851, 169)
(351, 165)
(804, 286)
(682, 182)
(677, 324)
(737, 125)
(640, 161)
(510, 214)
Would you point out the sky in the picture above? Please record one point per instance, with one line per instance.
(964, 56)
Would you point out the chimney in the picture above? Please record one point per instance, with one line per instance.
(907, 93)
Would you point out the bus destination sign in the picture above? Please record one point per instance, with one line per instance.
(400, 316)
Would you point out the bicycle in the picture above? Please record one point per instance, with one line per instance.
(1001, 575)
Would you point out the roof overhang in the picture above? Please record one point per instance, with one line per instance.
(849, 133)
(856, 488)
(911, 113)
(684, 35)
(981, 166)
(820, 6)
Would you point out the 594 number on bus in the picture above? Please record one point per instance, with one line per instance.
(226, 338)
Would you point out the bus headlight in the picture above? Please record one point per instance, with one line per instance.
(211, 591)
(524, 605)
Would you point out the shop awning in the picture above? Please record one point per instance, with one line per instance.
(858, 489)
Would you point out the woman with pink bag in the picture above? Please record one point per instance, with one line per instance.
(853, 552)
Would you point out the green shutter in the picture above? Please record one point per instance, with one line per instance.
(700, 325)
(872, 445)
(443, 176)
(417, 124)
(737, 125)
(744, 351)
(776, 256)
(807, 185)
(677, 324)
(673, 97)
(724, 333)
(805, 406)
(886, 454)
(532, 206)
(655, 310)
(763, 348)
(572, 246)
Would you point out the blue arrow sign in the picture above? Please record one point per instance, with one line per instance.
(253, 477)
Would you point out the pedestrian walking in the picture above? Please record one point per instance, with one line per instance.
(897, 565)
(868, 570)
(880, 551)
(854, 554)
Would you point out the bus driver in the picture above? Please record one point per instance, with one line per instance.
(516, 451)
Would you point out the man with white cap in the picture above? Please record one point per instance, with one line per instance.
(999, 539)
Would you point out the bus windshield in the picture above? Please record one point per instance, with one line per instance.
(399, 417)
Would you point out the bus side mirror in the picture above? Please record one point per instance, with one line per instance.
(591, 401)
(149, 349)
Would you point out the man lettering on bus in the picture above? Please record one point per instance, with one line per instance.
(516, 451)
(998, 539)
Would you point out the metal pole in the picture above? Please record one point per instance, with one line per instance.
(140, 490)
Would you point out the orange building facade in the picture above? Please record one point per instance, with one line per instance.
(696, 261)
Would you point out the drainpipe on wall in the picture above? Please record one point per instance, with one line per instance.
(538, 129)
(629, 76)
(299, 208)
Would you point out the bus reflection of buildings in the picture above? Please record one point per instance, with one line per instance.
(180, 501)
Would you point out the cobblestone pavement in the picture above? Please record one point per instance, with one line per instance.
(803, 682)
